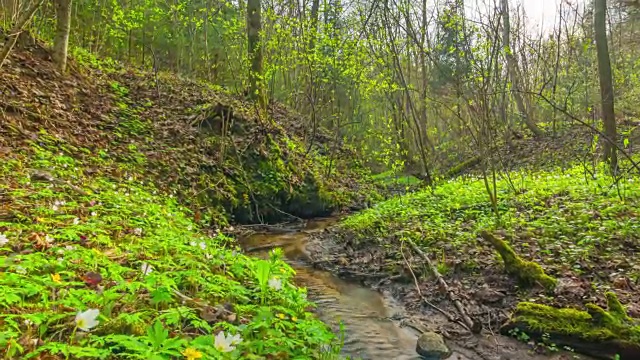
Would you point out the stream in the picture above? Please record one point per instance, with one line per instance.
(369, 333)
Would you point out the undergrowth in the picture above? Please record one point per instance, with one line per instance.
(563, 213)
(94, 266)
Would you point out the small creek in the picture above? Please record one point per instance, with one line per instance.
(369, 333)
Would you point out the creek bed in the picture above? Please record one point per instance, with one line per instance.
(365, 313)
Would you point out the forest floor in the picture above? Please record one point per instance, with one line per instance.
(584, 231)
(116, 190)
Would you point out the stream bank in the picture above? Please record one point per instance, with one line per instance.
(365, 267)
(371, 328)
(382, 318)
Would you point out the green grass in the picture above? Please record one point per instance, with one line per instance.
(68, 251)
(561, 215)
(390, 178)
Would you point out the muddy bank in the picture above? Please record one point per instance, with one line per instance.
(391, 270)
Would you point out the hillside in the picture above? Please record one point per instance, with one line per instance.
(115, 188)
(215, 152)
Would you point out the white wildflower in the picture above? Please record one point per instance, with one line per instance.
(225, 343)
(76, 221)
(57, 204)
(87, 320)
(49, 239)
(137, 231)
(208, 256)
(146, 269)
(275, 283)
(70, 247)
(27, 322)
(193, 243)
(236, 339)
(3, 240)
(203, 245)
(93, 213)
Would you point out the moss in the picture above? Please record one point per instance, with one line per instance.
(571, 322)
(615, 307)
(528, 273)
(463, 166)
(595, 324)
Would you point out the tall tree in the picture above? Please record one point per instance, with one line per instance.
(63, 26)
(606, 82)
(514, 73)
(254, 26)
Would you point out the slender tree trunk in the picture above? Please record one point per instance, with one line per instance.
(17, 29)
(315, 6)
(63, 27)
(606, 82)
(254, 27)
(207, 56)
(512, 64)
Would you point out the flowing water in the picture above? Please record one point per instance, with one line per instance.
(364, 312)
(369, 333)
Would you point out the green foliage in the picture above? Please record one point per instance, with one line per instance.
(139, 259)
(558, 213)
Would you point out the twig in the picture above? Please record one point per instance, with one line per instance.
(39, 175)
(415, 281)
(473, 326)
(285, 213)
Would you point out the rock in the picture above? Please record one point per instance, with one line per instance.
(342, 261)
(432, 346)
(488, 296)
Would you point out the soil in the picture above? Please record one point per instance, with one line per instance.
(372, 266)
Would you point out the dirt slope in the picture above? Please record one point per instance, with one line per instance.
(218, 154)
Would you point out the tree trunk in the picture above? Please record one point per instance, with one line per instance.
(254, 26)
(606, 82)
(512, 64)
(61, 40)
(315, 6)
(17, 29)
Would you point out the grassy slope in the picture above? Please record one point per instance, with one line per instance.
(58, 237)
(118, 165)
(584, 232)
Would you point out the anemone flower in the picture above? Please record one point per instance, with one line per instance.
(87, 320)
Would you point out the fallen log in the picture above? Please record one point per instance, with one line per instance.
(528, 273)
(594, 332)
(472, 325)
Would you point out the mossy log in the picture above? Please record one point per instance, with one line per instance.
(463, 166)
(528, 273)
(595, 332)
